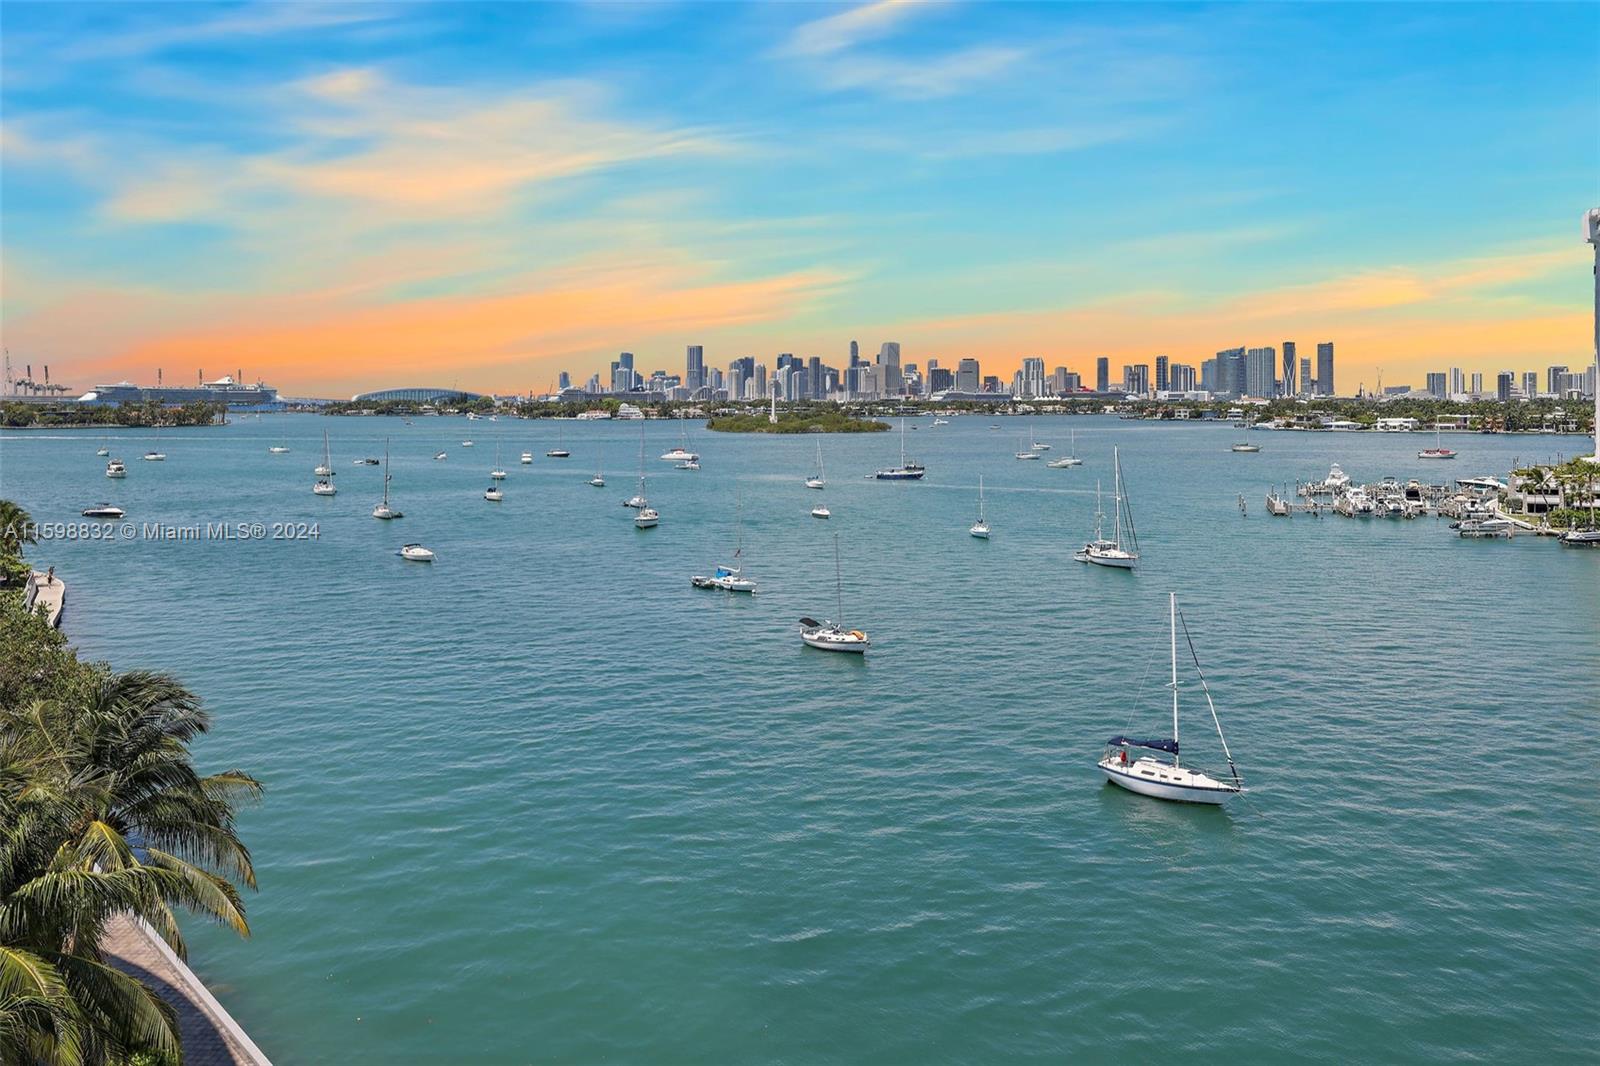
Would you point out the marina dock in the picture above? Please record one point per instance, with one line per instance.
(210, 1035)
(46, 594)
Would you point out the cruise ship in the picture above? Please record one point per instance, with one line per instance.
(223, 390)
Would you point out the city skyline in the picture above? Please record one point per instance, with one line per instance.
(387, 196)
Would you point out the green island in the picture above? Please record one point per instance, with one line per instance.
(72, 415)
(102, 815)
(828, 421)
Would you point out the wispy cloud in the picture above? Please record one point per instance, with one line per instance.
(835, 33)
(246, 21)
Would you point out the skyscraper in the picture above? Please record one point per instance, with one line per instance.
(1436, 385)
(565, 381)
(889, 360)
(1260, 370)
(1032, 376)
(1503, 385)
(1477, 384)
(622, 376)
(1136, 379)
(1230, 372)
(1306, 380)
(855, 353)
(1325, 368)
(1161, 373)
(1289, 364)
(1530, 383)
(1458, 383)
(1208, 375)
(1552, 379)
(1102, 374)
(694, 373)
(968, 376)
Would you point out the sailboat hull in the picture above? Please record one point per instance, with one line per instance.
(1118, 561)
(1206, 791)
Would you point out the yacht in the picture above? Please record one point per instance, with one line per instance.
(103, 510)
(383, 510)
(493, 493)
(980, 528)
(1336, 480)
(416, 553)
(908, 470)
(527, 457)
(1150, 775)
(1355, 504)
(681, 454)
(821, 511)
(1113, 553)
(1247, 447)
(833, 636)
(116, 468)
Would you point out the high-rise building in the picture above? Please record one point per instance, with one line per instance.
(940, 380)
(889, 360)
(991, 383)
(968, 377)
(1260, 372)
(1208, 375)
(1477, 384)
(1458, 381)
(694, 373)
(564, 381)
(1503, 385)
(1436, 385)
(1180, 378)
(1136, 379)
(1552, 378)
(1032, 376)
(1289, 364)
(1530, 383)
(1102, 374)
(1307, 382)
(1325, 368)
(622, 375)
(1230, 372)
(1161, 373)
(855, 353)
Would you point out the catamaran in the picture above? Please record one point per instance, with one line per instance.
(1149, 775)
(383, 510)
(324, 471)
(908, 470)
(833, 636)
(681, 454)
(1115, 552)
(980, 528)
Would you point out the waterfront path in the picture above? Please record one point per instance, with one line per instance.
(47, 594)
(210, 1035)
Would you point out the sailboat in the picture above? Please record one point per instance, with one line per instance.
(637, 501)
(1150, 775)
(383, 510)
(682, 454)
(560, 450)
(105, 446)
(324, 471)
(1070, 459)
(833, 636)
(1113, 553)
(647, 517)
(499, 472)
(1438, 451)
(980, 529)
(1026, 453)
(729, 578)
(598, 481)
(155, 454)
(493, 493)
(908, 470)
(819, 479)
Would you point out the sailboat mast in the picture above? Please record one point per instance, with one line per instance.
(902, 444)
(386, 471)
(1099, 513)
(838, 583)
(1172, 608)
(980, 498)
(1116, 494)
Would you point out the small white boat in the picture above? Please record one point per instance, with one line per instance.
(527, 457)
(1071, 459)
(689, 464)
(416, 553)
(833, 636)
(1040, 446)
(681, 454)
(466, 444)
(598, 482)
(1581, 538)
(277, 449)
(556, 453)
(1027, 453)
(493, 494)
(156, 455)
(1438, 451)
(635, 502)
(1336, 480)
(818, 480)
(1151, 776)
(439, 457)
(103, 510)
(647, 518)
(103, 451)
(383, 510)
(980, 528)
(324, 471)
(821, 511)
(499, 472)
(1114, 553)
(1246, 447)
(324, 487)
(116, 468)
(941, 421)
(726, 578)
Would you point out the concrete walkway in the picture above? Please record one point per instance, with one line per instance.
(210, 1035)
(47, 595)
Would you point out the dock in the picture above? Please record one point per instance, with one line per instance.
(46, 594)
(210, 1035)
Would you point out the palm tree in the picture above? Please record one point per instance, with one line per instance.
(16, 527)
(103, 814)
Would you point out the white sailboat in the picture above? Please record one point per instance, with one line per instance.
(647, 517)
(1070, 459)
(1149, 775)
(908, 470)
(105, 446)
(1025, 453)
(681, 454)
(499, 472)
(155, 454)
(560, 450)
(383, 510)
(324, 471)
(819, 479)
(730, 578)
(1438, 451)
(980, 529)
(1122, 551)
(638, 501)
(833, 636)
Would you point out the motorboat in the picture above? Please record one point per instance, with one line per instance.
(908, 470)
(1355, 504)
(1336, 480)
(440, 457)
(277, 449)
(635, 502)
(116, 468)
(466, 444)
(1577, 538)
(821, 511)
(941, 421)
(103, 510)
(689, 464)
(383, 510)
(527, 457)
(555, 453)
(833, 636)
(1121, 552)
(980, 528)
(1477, 528)
(1150, 775)
(416, 553)
(1482, 484)
(1039, 446)
(369, 461)
(493, 493)
(1246, 447)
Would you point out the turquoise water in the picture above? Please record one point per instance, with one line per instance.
(542, 801)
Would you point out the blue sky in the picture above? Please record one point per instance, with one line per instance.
(336, 195)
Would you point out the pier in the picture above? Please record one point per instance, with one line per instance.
(46, 594)
(210, 1035)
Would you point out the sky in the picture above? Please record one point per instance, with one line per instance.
(341, 197)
